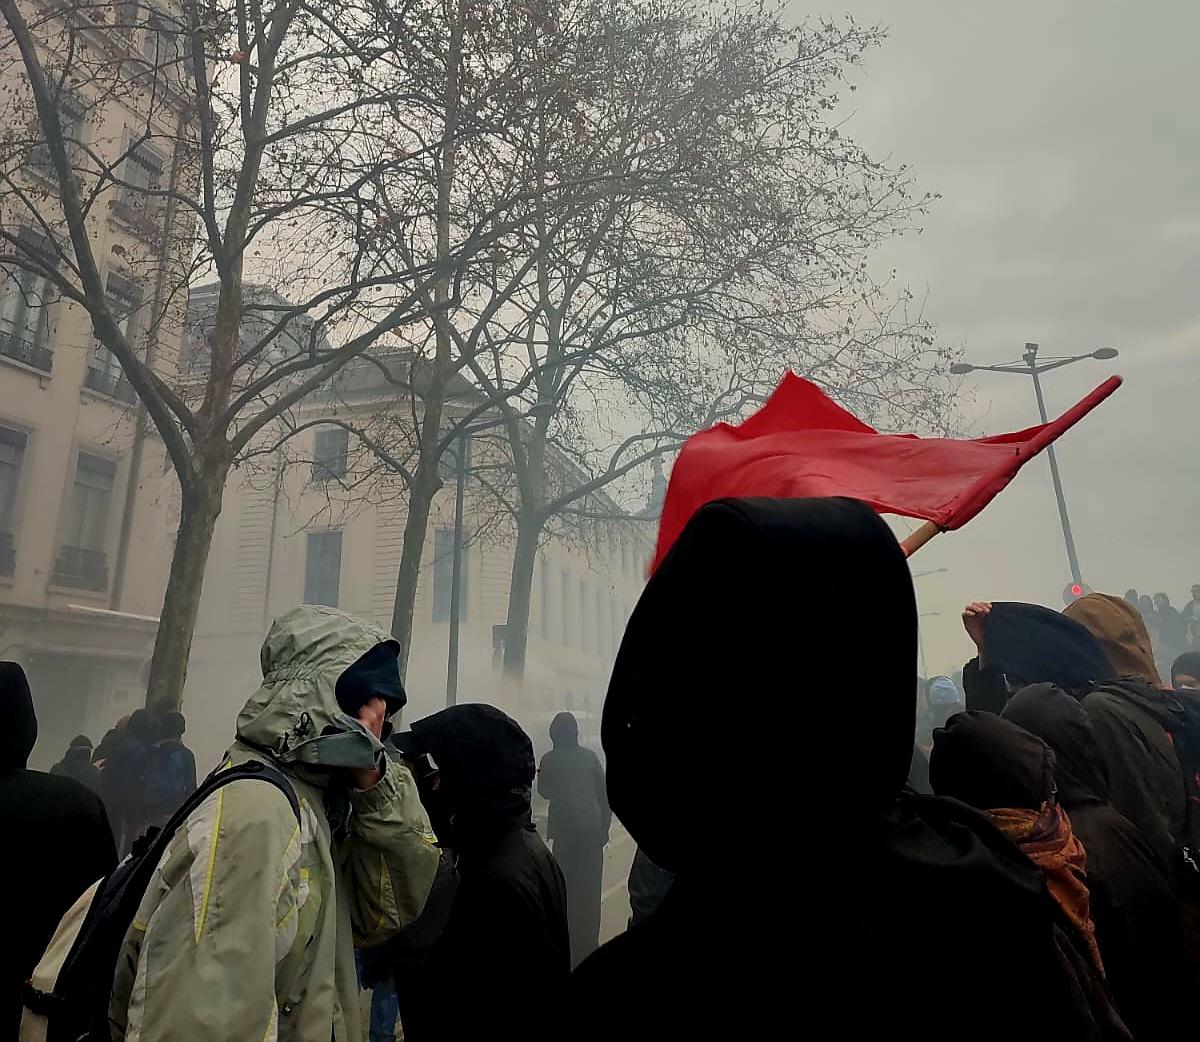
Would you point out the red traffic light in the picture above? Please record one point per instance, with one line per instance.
(1073, 591)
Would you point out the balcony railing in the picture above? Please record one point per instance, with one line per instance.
(22, 349)
(112, 384)
(8, 555)
(81, 569)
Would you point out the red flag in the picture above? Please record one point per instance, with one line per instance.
(802, 443)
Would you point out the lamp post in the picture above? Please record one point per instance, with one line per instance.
(461, 442)
(1029, 366)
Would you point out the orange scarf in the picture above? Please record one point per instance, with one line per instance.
(1045, 837)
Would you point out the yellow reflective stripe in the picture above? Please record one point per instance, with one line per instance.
(212, 865)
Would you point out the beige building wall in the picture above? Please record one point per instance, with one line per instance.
(260, 564)
(82, 625)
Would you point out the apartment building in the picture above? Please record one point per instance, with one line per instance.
(87, 497)
(319, 524)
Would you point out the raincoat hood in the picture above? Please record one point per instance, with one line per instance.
(564, 730)
(1032, 644)
(1121, 631)
(728, 661)
(18, 722)
(1062, 723)
(294, 716)
(991, 763)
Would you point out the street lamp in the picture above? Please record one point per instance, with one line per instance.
(461, 439)
(1028, 365)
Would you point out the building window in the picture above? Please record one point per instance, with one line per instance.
(331, 446)
(568, 621)
(104, 373)
(586, 622)
(323, 568)
(602, 631)
(24, 325)
(71, 119)
(161, 44)
(142, 173)
(443, 575)
(544, 595)
(12, 455)
(82, 562)
(448, 460)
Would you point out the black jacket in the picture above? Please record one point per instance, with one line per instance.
(810, 898)
(1135, 911)
(77, 764)
(506, 935)
(57, 842)
(572, 779)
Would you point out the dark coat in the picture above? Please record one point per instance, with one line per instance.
(572, 779)
(77, 764)
(885, 917)
(1136, 913)
(57, 840)
(506, 933)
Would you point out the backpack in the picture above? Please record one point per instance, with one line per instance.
(168, 779)
(80, 962)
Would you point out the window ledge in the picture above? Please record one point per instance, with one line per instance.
(107, 399)
(43, 376)
(131, 220)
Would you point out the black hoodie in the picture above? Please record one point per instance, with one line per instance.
(57, 843)
(810, 898)
(506, 936)
(1135, 911)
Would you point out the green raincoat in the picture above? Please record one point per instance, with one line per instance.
(248, 928)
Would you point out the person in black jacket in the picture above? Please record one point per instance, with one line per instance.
(810, 896)
(1136, 913)
(57, 844)
(505, 937)
(572, 779)
(77, 763)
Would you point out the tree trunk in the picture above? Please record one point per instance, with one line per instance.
(516, 629)
(420, 500)
(181, 603)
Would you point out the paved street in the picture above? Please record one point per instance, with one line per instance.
(618, 856)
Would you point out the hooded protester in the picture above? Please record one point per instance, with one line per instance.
(506, 933)
(1136, 914)
(861, 900)
(1172, 627)
(1008, 773)
(126, 752)
(1185, 673)
(58, 843)
(571, 778)
(77, 763)
(170, 776)
(1023, 644)
(249, 932)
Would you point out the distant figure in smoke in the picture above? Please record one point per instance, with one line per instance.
(1172, 629)
(77, 763)
(1131, 595)
(170, 771)
(810, 896)
(123, 775)
(572, 779)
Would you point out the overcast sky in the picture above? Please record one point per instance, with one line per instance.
(1064, 136)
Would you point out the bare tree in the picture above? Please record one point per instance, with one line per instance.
(245, 142)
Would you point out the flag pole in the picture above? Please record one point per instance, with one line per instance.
(919, 538)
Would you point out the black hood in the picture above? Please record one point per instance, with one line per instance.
(18, 722)
(486, 764)
(723, 702)
(1061, 722)
(564, 730)
(1031, 644)
(990, 763)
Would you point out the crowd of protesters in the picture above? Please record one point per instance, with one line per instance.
(1013, 854)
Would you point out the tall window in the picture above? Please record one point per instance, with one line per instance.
(124, 299)
(71, 119)
(448, 461)
(587, 621)
(544, 595)
(161, 44)
(323, 568)
(12, 455)
(567, 605)
(24, 299)
(142, 173)
(330, 449)
(602, 631)
(443, 575)
(82, 562)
